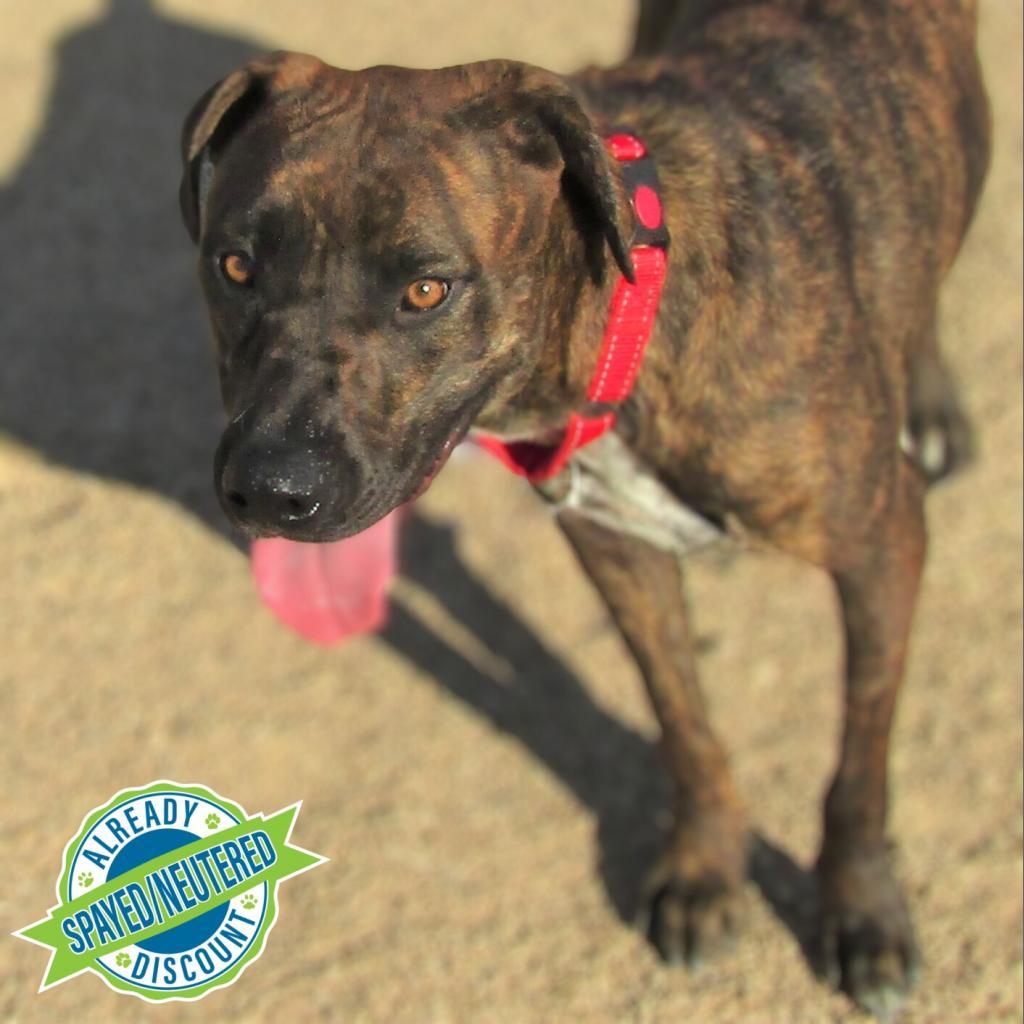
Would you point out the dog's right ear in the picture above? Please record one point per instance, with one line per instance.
(221, 111)
(217, 111)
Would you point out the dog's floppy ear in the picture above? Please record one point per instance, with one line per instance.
(223, 108)
(203, 122)
(587, 165)
(540, 109)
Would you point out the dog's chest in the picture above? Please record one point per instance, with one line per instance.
(607, 483)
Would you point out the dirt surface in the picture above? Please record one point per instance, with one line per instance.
(482, 775)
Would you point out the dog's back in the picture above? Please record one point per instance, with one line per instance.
(822, 160)
(903, 73)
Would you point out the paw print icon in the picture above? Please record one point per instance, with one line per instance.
(212, 821)
(85, 879)
(249, 901)
(123, 960)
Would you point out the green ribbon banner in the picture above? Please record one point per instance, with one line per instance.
(113, 916)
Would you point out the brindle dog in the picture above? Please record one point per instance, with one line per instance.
(392, 256)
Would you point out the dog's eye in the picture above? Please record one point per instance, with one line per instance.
(236, 267)
(426, 293)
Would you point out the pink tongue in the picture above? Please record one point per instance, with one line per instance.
(328, 592)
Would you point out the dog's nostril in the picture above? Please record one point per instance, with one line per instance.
(237, 499)
(298, 506)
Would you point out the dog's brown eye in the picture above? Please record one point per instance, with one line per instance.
(237, 267)
(426, 293)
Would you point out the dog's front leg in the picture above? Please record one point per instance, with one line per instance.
(695, 891)
(869, 943)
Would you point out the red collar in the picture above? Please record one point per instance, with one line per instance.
(630, 322)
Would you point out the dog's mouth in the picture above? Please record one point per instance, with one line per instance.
(331, 590)
(385, 500)
(435, 467)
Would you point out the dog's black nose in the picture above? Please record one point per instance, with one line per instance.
(275, 489)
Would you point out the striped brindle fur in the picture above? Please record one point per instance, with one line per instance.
(820, 162)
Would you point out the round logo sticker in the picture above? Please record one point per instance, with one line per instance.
(168, 892)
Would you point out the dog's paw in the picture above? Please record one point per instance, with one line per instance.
(868, 945)
(694, 904)
(691, 920)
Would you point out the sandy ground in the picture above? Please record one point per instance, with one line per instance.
(483, 775)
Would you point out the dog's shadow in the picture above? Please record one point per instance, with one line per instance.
(103, 342)
(106, 370)
(609, 767)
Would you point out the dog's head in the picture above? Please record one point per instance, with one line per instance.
(376, 249)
